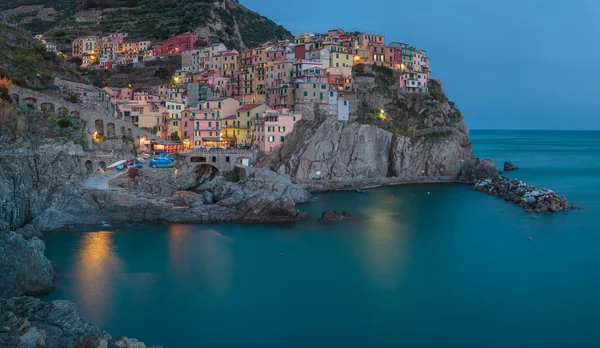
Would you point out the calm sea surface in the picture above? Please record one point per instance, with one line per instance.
(450, 269)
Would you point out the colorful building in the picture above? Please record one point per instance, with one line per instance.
(238, 130)
(270, 130)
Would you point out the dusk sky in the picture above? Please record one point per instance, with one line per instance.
(510, 64)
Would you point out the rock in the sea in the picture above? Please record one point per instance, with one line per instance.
(29, 231)
(477, 169)
(526, 196)
(278, 185)
(509, 166)
(29, 322)
(329, 216)
(24, 270)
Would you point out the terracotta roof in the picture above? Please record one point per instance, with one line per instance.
(248, 107)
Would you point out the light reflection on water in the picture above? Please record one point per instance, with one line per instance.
(206, 251)
(94, 272)
(385, 243)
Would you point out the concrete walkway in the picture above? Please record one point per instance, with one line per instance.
(99, 181)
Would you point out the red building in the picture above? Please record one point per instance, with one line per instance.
(179, 43)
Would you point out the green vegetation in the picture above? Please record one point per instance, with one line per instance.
(151, 19)
(27, 63)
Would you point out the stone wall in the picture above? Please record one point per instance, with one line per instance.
(97, 119)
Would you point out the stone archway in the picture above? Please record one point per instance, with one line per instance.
(214, 159)
(110, 130)
(88, 166)
(63, 111)
(102, 165)
(99, 127)
(30, 102)
(47, 107)
(129, 132)
(205, 172)
(123, 131)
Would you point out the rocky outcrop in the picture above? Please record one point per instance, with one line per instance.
(29, 322)
(335, 149)
(199, 194)
(526, 196)
(509, 167)
(43, 185)
(477, 169)
(330, 216)
(23, 267)
(413, 138)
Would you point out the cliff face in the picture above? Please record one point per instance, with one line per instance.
(413, 137)
(43, 187)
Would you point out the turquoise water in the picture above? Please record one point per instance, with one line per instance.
(450, 269)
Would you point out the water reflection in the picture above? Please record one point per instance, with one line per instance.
(205, 252)
(386, 242)
(98, 261)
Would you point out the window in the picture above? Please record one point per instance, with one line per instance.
(271, 139)
(345, 102)
(321, 95)
(281, 138)
(305, 93)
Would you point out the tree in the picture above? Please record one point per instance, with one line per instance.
(5, 88)
(201, 43)
(174, 137)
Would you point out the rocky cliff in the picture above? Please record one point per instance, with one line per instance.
(389, 135)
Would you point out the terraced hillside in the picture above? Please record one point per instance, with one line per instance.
(63, 20)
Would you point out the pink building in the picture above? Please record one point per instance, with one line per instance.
(335, 32)
(274, 53)
(178, 43)
(201, 127)
(281, 97)
(414, 82)
(270, 131)
(367, 39)
(119, 93)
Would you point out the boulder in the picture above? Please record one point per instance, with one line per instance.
(24, 270)
(29, 322)
(478, 169)
(509, 167)
(329, 216)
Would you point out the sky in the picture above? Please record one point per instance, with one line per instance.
(508, 64)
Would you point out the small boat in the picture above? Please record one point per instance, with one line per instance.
(161, 165)
(357, 190)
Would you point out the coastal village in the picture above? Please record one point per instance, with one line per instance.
(250, 99)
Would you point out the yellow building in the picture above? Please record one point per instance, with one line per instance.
(240, 128)
(341, 60)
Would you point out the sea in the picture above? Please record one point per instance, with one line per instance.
(437, 265)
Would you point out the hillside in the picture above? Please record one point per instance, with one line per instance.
(63, 20)
(26, 62)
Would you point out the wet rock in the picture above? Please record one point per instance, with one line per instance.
(187, 198)
(207, 197)
(29, 322)
(24, 270)
(329, 216)
(526, 196)
(477, 169)
(509, 167)
(29, 231)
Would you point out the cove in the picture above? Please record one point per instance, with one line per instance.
(451, 268)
